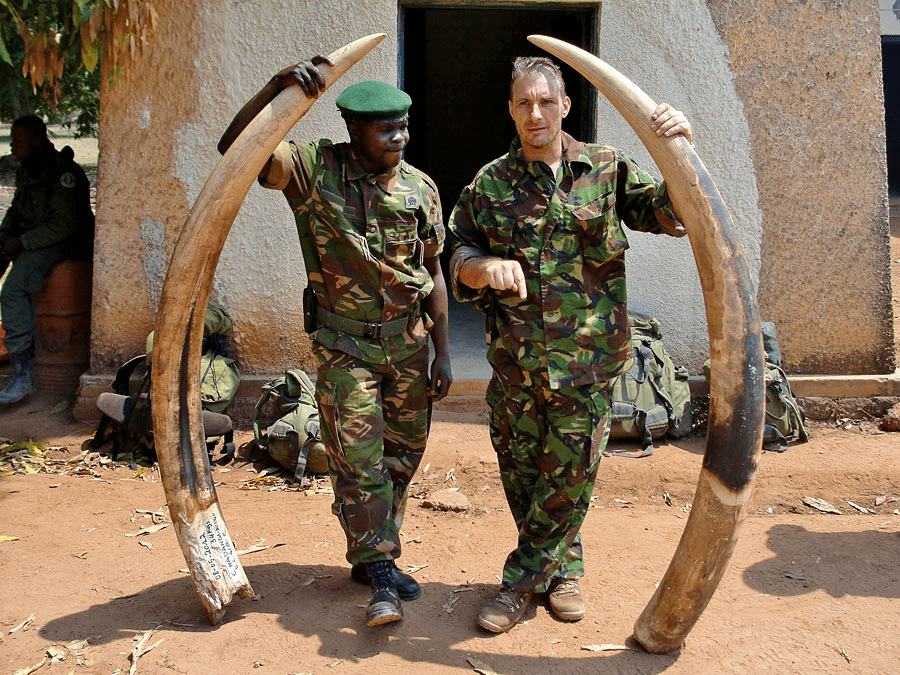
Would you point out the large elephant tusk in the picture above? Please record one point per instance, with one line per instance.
(737, 389)
(175, 391)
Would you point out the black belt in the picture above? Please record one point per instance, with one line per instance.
(362, 328)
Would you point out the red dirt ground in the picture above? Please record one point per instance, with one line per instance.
(806, 592)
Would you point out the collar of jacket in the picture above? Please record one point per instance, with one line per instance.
(353, 170)
(37, 162)
(574, 151)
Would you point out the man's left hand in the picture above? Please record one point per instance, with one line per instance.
(441, 379)
(305, 74)
(667, 122)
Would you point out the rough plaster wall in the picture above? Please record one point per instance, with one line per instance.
(809, 73)
(158, 145)
(672, 51)
(258, 279)
(141, 202)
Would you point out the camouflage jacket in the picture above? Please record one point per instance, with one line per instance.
(51, 204)
(365, 239)
(568, 237)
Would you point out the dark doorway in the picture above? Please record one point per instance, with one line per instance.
(890, 63)
(455, 64)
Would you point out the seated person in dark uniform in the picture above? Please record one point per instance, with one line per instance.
(49, 220)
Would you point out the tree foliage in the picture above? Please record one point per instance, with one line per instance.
(79, 101)
(58, 44)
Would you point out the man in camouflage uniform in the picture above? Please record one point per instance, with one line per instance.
(49, 220)
(540, 249)
(371, 231)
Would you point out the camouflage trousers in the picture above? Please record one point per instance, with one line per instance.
(549, 444)
(374, 422)
(26, 277)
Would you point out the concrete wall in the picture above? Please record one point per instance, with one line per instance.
(809, 76)
(673, 52)
(787, 104)
(785, 98)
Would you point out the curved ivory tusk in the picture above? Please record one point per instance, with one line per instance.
(737, 390)
(175, 390)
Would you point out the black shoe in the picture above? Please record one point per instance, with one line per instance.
(384, 606)
(407, 587)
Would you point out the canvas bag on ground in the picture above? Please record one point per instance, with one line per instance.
(219, 381)
(785, 418)
(219, 374)
(653, 398)
(293, 439)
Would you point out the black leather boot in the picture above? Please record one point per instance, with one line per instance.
(384, 607)
(407, 587)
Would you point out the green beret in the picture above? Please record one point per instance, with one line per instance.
(372, 100)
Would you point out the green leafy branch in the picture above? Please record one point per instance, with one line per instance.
(91, 31)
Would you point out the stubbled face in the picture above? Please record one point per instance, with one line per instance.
(538, 108)
(22, 143)
(379, 145)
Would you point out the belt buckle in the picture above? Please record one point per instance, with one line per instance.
(372, 330)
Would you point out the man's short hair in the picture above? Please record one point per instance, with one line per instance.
(33, 124)
(526, 66)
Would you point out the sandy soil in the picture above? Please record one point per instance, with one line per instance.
(806, 591)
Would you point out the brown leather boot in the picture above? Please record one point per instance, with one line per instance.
(566, 601)
(504, 611)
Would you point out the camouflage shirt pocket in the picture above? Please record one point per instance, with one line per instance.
(403, 250)
(599, 229)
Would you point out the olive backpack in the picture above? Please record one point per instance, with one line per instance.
(293, 439)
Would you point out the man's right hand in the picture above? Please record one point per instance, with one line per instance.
(496, 273)
(305, 74)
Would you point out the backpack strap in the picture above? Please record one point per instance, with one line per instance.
(298, 450)
(258, 434)
(647, 448)
(228, 448)
(121, 385)
(788, 414)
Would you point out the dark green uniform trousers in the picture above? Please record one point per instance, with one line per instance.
(374, 421)
(26, 277)
(549, 444)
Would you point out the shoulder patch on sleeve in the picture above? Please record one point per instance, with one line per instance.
(67, 180)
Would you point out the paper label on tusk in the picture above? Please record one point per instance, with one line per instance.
(213, 555)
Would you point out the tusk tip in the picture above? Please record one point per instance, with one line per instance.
(541, 40)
